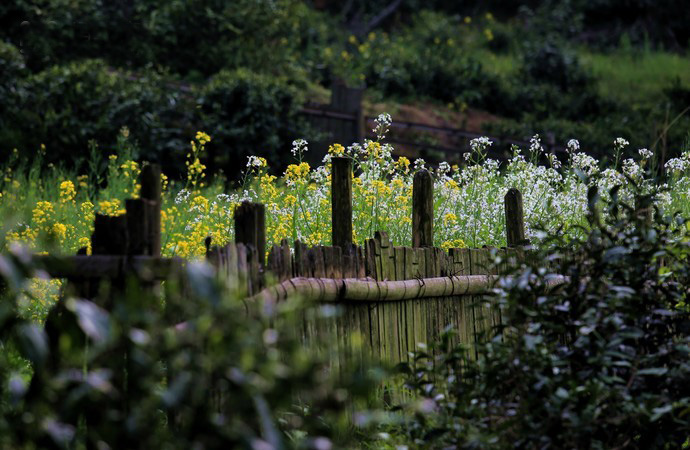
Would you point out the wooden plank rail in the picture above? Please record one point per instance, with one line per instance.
(330, 290)
(82, 267)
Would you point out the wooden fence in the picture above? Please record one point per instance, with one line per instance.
(343, 121)
(393, 297)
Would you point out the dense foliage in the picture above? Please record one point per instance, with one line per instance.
(246, 111)
(521, 63)
(601, 361)
(233, 374)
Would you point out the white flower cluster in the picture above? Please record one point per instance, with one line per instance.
(299, 146)
(480, 144)
(182, 196)
(645, 154)
(620, 143)
(553, 161)
(632, 169)
(678, 165)
(573, 145)
(383, 123)
(254, 162)
(535, 147)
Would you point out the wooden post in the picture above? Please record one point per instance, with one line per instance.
(515, 222)
(139, 216)
(423, 209)
(151, 192)
(110, 235)
(250, 228)
(341, 202)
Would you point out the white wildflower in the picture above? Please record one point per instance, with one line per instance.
(553, 161)
(444, 168)
(182, 196)
(677, 165)
(620, 143)
(480, 144)
(254, 162)
(573, 145)
(383, 122)
(299, 146)
(535, 145)
(631, 168)
(645, 154)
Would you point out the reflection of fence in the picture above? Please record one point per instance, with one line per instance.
(393, 296)
(344, 122)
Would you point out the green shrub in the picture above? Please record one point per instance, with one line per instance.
(248, 113)
(66, 106)
(12, 88)
(600, 362)
(425, 59)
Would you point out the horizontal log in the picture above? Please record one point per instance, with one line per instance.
(369, 290)
(107, 266)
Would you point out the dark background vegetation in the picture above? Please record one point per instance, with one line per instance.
(79, 71)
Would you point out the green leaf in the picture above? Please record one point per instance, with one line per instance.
(658, 371)
(33, 343)
(660, 411)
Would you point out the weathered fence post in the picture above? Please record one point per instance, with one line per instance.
(110, 235)
(515, 221)
(341, 202)
(250, 230)
(250, 227)
(423, 209)
(151, 192)
(139, 216)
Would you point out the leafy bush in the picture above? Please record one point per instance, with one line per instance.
(66, 106)
(196, 38)
(12, 88)
(600, 362)
(550, 64)
(235, 374)
(425, 59)
(248, 114)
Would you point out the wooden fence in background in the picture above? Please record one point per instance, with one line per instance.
(344, 121)
(393, 297)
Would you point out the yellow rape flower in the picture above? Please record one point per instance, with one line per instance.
(402, 164)
(336, 150)
(59, 230)
(42, 212)
(67, 191)
(85, 242)
(110, 207)
(297, 172)
(290, 200)
(373, 148)
(450, 218)
(453, 243)
(202, 137)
